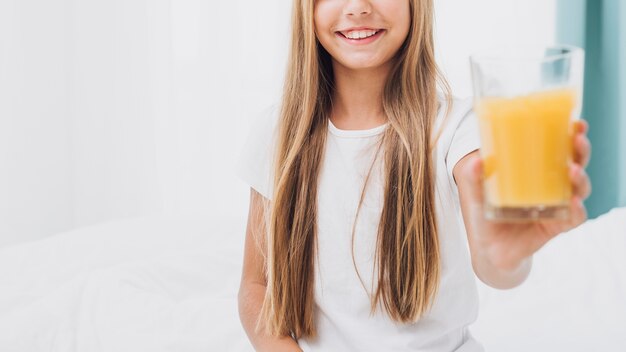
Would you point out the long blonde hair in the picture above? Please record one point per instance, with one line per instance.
(407, 250)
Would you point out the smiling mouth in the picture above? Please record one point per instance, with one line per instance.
(360, 34)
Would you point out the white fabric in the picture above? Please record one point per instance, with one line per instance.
(146, 284)
(170, 285)
(342, 304)
(574, 299)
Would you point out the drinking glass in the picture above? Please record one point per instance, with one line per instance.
(526, 101)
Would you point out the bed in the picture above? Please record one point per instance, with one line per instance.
(170, 284)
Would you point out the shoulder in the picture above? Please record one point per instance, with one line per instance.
(255, 162)
(459, 131)
(263, 128)
(452, 112)
(266, 121)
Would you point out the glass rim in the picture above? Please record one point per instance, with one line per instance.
(496, 55)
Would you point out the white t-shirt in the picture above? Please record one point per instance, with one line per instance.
(342, 306)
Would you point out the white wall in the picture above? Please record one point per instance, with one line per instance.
(35, 174)
(121, 108)
(464, 27)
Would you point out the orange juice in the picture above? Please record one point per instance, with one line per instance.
(526, 145)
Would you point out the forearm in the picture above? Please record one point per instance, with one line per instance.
(498, 276)
(250, 302)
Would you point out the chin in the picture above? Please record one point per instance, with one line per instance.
(361, 64)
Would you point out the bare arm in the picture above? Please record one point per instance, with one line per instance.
(253, 282)
(502, 252)
(495, 274)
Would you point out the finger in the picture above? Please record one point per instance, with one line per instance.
(578, 212)
(581, 126)
(577, 216)
(582, 149)
(580, 181)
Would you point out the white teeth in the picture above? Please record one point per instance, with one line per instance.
(359, 34)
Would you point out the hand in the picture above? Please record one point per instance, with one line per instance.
(507, 244)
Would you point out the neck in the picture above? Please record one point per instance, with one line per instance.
(358, 97)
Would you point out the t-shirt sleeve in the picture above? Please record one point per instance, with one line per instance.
(254, 164)
(466, 138)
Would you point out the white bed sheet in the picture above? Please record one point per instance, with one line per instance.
(65, 293)
(574, 299)
(170, 284)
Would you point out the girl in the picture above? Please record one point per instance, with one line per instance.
(365, 223)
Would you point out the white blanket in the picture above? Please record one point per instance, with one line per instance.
(153, 284)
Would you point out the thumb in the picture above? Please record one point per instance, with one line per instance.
(475, 178)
